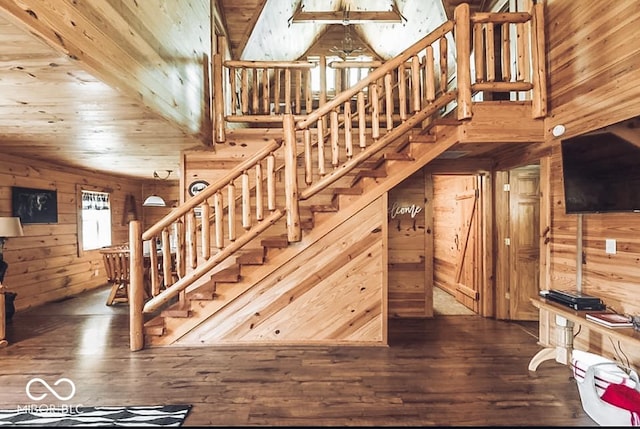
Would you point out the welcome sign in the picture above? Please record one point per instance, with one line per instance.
(397, 209)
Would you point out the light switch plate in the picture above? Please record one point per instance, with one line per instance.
(610, 246)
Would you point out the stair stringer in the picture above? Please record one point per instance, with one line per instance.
(331, 292)
(397, 171)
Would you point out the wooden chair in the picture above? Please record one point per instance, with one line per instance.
(116, 263)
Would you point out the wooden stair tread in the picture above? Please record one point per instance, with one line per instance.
(324, 208)
(154, 327)
(398, 156)
(353, 190)
(229, 274)
(178, 310)
(251, 257)
(279, 241)
(206, 292)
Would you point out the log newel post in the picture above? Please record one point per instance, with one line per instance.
(218, 99)
(136, 287)
(463, 55)
(539, 101)
(294, 232)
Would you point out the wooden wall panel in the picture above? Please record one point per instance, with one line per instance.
(410, 294)
(145, 49)
(594, 81)
(594, 63)
(44, 264)
(332, 292)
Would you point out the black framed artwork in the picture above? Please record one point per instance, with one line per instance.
(34, 205)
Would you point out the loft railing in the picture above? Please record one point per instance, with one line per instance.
(404, 93)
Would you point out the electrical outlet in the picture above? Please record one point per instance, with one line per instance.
(610, 246)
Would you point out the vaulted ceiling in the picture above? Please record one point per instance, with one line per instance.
(122, 86)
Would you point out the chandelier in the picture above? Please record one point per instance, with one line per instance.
(346, 48)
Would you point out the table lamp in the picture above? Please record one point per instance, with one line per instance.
(9, 227)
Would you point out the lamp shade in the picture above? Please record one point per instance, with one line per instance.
(154, 201)
(10, 227)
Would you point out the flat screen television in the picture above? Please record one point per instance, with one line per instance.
(601, 174)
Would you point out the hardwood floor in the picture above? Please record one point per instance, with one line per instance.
(445, 371)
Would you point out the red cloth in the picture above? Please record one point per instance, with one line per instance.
(622, 397)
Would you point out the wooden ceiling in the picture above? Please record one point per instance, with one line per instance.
(122, 87)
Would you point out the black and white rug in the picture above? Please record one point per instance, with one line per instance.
(161, 415)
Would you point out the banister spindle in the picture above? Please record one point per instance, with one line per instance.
(246, 201)
(388, 92)
(205, 227)
(259, 200)
(219, 219)
(231, 210)
(271, 182)
(362, 121)
(308, 161)
(335, 138)
(321, 160)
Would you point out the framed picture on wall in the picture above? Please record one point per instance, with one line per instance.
(34, 205)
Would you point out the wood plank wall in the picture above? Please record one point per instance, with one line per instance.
(102, 33)
(338, 283)
(410, 235)
(594, 81)
(44, 265)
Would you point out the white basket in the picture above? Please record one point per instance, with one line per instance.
(595, 379)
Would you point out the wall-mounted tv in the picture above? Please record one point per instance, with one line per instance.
(601, 174)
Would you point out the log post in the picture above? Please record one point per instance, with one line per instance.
(218, 99)
(294, 232)
(539, 101)
(136, 287)
(463, 55)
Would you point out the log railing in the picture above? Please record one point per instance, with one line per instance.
(338, 136)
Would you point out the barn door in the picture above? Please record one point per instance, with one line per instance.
(467, 263)
(524, 241)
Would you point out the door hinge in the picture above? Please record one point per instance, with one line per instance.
(506, 187)
(507, 242)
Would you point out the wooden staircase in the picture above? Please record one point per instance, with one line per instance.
(252, 265)
(322, 280)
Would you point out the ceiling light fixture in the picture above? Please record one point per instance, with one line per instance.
(346, 48)
(154, 200)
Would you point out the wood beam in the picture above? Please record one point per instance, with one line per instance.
(346, 17)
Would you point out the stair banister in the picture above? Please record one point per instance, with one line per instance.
(186, 281)
(346, 167)
(209, 191)
(376, 74)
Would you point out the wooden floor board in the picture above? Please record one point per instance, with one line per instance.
(445, 371)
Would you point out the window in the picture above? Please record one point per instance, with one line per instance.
(96, 220)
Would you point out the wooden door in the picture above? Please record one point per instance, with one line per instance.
(467, 263)
(524, 241)
(456, 242)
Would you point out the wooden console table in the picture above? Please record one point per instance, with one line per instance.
(565, 319)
